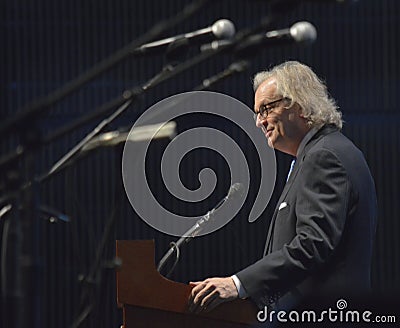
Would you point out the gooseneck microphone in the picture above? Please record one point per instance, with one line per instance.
(221, 29)
(234, 191)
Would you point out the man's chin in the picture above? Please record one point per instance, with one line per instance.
(270, 142)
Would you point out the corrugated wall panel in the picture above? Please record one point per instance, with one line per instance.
(48, 43)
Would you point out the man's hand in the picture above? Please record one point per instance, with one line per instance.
(211, 292)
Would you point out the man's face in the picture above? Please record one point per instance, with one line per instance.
(283, 127)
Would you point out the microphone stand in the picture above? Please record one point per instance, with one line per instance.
(130, 97)
(37, 107)
(24, 279)
(277, 10)
(17, 307)
(182, 67)
(123, 101)
(234, 68)
(92, 277)
(20, 294)
(24, 234)
(168, 72)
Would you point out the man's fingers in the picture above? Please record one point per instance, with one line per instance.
(207, 300)
(195, 283)
(213, 304)
(195, 290)
(202, 293)
(197, 296)
(199, 303)
(211, 292)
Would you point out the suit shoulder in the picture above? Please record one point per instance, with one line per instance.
(338, 144)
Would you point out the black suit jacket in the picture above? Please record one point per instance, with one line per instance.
(320, 236)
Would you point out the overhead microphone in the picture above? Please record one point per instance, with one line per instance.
(221, 29)
(300, 32)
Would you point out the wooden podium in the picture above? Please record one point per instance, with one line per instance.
(150, 300)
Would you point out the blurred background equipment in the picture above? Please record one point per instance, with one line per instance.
(67, 66)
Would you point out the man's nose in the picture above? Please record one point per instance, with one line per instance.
(259, 121)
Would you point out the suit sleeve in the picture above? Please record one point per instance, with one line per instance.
(323, 190)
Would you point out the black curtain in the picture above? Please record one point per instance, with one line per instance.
(47, 43)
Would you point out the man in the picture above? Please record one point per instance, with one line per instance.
(320, 236)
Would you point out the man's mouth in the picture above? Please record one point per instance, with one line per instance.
(268, 131)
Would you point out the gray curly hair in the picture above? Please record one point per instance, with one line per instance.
(299, 83)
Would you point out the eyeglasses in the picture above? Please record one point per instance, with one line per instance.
(265, 109)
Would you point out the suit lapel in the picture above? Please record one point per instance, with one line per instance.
(285, 190)
(322, 132)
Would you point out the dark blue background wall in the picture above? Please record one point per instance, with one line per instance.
(47, 43)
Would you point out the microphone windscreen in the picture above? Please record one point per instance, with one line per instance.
(223, 29)
(303, 32)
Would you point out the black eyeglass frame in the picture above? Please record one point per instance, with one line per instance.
(265, 109)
